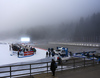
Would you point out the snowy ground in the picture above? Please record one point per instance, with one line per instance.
(6, 58)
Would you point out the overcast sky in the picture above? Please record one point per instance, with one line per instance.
(26, 13)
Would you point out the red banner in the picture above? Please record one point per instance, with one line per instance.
(28, 53)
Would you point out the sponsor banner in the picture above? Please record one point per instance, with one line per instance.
(28, 53)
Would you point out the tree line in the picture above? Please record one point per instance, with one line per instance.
(85, 30)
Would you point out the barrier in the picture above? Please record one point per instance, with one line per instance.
(77, 44)
(43, 67)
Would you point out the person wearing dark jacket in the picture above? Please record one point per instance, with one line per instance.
(18, 53)
(46, 54)
(53, 67)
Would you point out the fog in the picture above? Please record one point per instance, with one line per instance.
(42, 19)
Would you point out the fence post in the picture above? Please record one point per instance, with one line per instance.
(47, 67)
(84, 61)
(74, 63)
(30, 70)
(10, 71)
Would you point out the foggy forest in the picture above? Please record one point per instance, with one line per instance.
(85, 30)
(50, 20)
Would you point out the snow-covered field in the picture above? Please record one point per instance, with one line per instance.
(6, 58)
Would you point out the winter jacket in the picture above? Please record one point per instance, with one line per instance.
(52, 67)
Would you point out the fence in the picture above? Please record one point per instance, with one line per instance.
(43, 67)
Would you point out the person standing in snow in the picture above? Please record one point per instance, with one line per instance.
(49, 54)
(46, 54)
(18, 53)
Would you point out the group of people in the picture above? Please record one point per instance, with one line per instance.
(50, 52)
(25, 49)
